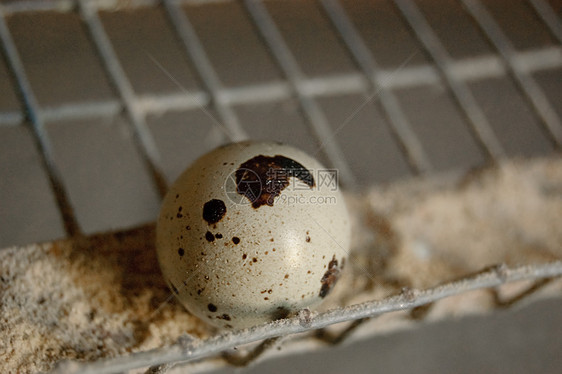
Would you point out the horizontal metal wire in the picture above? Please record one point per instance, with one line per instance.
(144, 140)
(467, 70)
(227, 119)
(533, 92)
(467, 102)
(294, 74)
(37, 124)
(188, 349)
(11, 118)
(456, 73)
(419, 160)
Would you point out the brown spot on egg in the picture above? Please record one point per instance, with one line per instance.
(286, 276)
(226, 317)
(213, 211)
(308, 239)
(329, 278)
(235, 239)
(262, 178)
(218, 235)
(244, 256)
(188, 227)
(209, 236)
(181, 252)
(212, 307)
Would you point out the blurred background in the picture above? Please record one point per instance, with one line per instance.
(104, 103)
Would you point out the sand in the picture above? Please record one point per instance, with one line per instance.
(103, 296)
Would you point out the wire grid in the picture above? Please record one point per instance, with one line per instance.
(455, 73)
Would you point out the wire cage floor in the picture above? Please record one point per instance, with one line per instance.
(435, 114)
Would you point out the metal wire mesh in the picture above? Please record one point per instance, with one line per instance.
(186, 350)
(454, 73)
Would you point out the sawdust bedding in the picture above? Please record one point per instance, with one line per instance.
(104, 296)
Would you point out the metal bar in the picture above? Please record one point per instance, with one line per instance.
(189, 349)
(91, 109)
(292, 71)
(467, 69)
(466, 100)
(257, 93)
(537, 60)
(487, 66)
(41, 137)
(228, 119)
(37, 6)
(401, 126)
(549, 17)
(528, 84)
(144, 140)
(161, 103)
(334, 84)
(11, 118)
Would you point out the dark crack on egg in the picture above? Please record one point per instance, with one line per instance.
(213, 211)
(329, 278)
(262, 178)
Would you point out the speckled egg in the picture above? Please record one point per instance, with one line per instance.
(253, 232)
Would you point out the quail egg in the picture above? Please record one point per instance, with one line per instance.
(252, 232)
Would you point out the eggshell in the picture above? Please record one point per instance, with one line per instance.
(253, 232)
